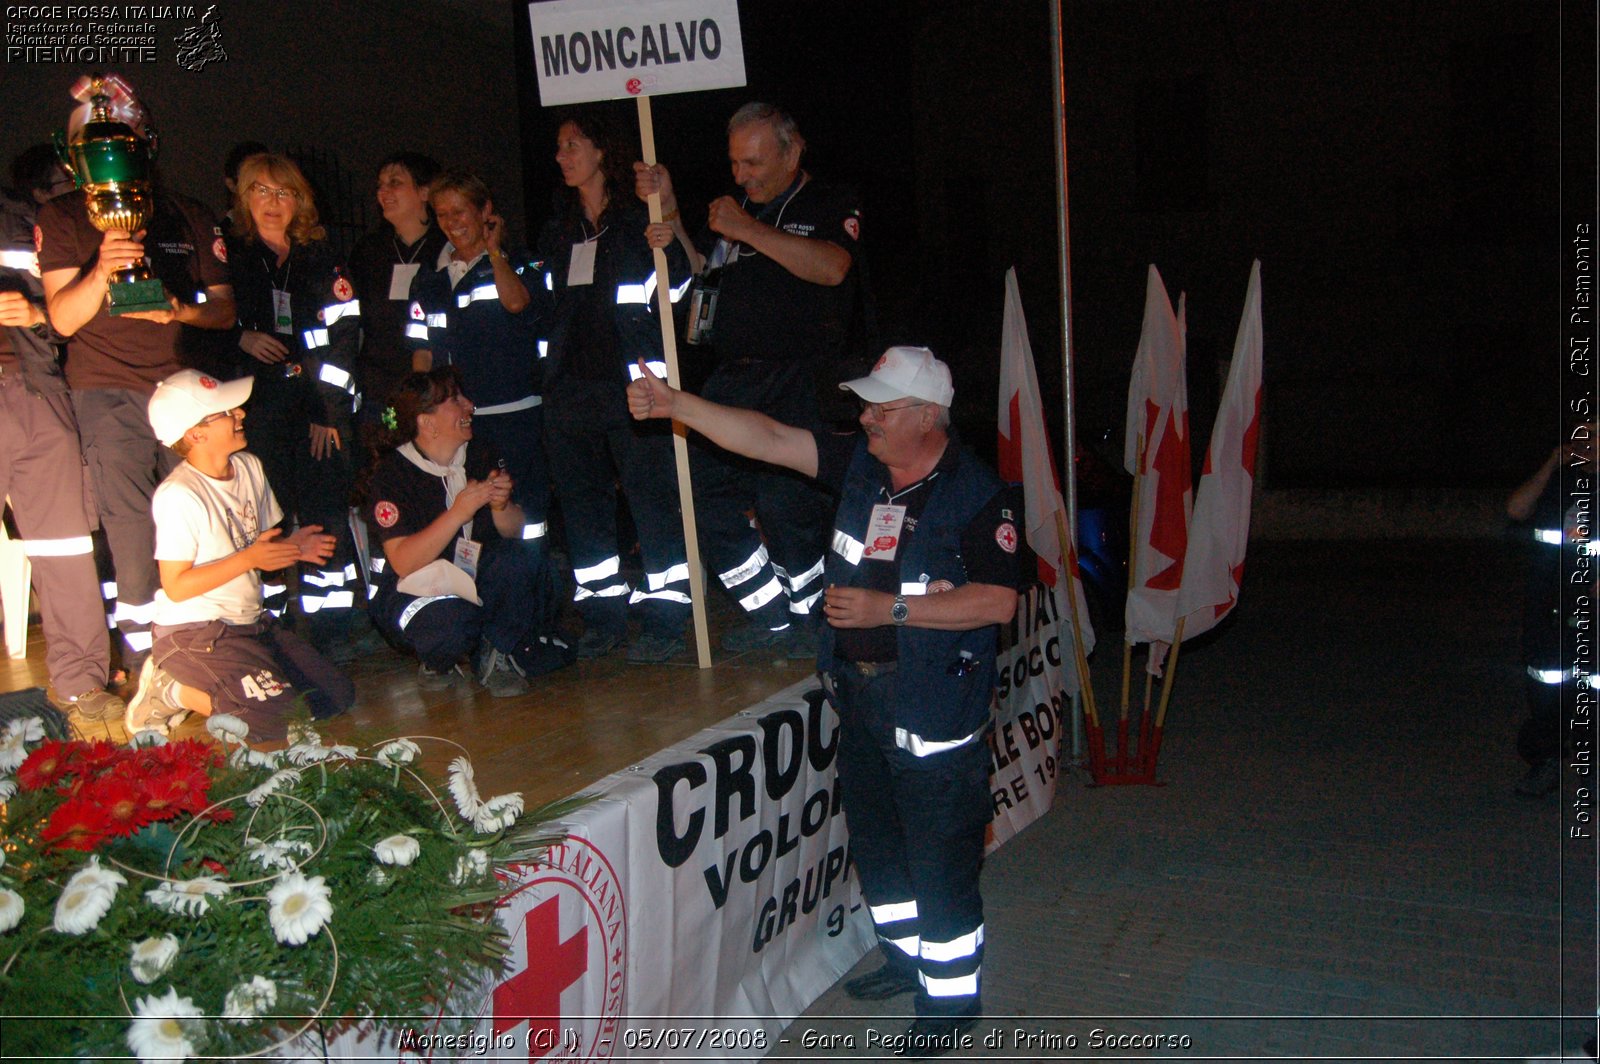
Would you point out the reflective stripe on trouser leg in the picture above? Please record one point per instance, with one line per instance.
(950, 969)
(603, 579)
(805, 588)
(896, 927)
(754, 584)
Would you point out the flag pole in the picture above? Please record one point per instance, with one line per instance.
(1133, 570)
(680, 442)
(1166, 694)
(1069, 423)
(1080, 659)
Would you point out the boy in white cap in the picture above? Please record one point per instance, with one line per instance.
(215, 514)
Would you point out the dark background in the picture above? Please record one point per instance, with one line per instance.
(1395, 164)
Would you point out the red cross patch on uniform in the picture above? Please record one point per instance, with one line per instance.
(387, 513)
(219, 248)
(416, 311)
(1006, 536)
(342, 290)
(38, 241)
(207, 382)
(853, 227)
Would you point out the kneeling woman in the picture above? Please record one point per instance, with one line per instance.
(454, 570)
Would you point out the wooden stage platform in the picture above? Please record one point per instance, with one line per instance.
(574, 727)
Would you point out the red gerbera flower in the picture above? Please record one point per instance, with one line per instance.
(47, 765)
(188, 788)
(75, 825)
(97, 756)
(121, 805)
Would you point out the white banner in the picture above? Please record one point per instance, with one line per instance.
(586, 50)
(1034, 707)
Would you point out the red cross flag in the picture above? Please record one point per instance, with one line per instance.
(1025, 455)
(1156, 451)
(1220, 529)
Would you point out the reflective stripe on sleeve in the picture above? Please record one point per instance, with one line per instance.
(334, 311)
(331, 374)
(848, 547)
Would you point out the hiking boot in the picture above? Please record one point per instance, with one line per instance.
(155, 706)
(94, 706)
(597, 643)
(428, 680)
(756, 637)
(501, 675)
(651, 649)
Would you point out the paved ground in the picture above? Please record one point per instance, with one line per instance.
(1336, 868)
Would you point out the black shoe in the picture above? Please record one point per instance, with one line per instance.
(597, 643)
(886, 982)
(934, 1036)
(755, 636)
(1542, 779)
(651, 649)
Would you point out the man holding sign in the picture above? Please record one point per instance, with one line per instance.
(924, 569)
(777, 291)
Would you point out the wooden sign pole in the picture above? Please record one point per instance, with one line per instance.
(680, 441)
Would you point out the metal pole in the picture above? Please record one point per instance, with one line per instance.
(1069, 472)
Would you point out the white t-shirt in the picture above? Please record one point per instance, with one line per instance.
(200, 519)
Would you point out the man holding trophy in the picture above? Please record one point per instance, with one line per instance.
(125, 267)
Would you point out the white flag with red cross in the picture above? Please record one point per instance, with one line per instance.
(1024, 456)
(1220, 529)
(1156, 451)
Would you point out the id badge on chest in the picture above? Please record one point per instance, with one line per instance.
(883, 531)
(400, 279)
(466, 559)
(580, 270)
(282, 319)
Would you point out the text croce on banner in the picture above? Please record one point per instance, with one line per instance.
(693, 911)
(585, 50)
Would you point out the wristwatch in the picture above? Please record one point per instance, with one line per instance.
(899, 612)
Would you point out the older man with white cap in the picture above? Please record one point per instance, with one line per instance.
(924, 569)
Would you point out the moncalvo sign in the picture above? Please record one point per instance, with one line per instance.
(586, 50)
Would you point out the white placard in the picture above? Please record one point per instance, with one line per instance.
(586, 50)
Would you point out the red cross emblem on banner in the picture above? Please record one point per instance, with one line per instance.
(534, 994)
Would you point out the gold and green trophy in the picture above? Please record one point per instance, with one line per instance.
(111, 161)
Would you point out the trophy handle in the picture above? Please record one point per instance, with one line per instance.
(64, 154)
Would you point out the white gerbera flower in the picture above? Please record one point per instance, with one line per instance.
(300, 907)
(8, 790)
(287, 777)
(249, 1000)
(470, 865)
(464, 788)
(152, 956)
(87, 898)
(278, 853)
(397, 850)
(377, 876)
(165, 1029)
(399, 752)
(11, 910)
(187, 897)
(148, 737)
(14, 742)
(498, 813)
(226, 726)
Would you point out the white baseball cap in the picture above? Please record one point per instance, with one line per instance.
(188, 397)
(905, 373)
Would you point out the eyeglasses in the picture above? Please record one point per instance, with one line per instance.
(262, 192)
(218, 416)
(877, 410)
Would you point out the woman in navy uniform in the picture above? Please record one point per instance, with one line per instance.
(301, 325)
(601, 277)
